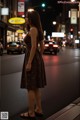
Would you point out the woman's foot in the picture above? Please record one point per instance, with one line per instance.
(38, 112)
(27, 115)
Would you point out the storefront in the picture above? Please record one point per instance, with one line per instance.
(8, 33)
(11, 34)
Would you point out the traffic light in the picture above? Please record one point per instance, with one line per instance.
(43, 5)
(71, 31)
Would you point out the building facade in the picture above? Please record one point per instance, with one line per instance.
(7, 31)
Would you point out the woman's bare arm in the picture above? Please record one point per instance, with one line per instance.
(33, 33)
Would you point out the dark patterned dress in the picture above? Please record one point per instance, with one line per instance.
(36, 77)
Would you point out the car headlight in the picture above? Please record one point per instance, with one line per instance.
(17, 45)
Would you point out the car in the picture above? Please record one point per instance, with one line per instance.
(15, 47)
(51, 47)
(1, 49)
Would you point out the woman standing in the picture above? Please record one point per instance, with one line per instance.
(33, 74)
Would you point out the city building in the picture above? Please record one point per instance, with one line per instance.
(8, 9)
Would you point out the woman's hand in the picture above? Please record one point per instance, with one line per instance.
(28, 67)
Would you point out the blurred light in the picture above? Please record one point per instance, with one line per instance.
(54, 22)
(50, 43)
(17, 46)
(23, 15)
(44, 33)
(48, 37)
(23, 35)
(4, 11)
(71, 36)
(20, 31)
(46, 45)
(57, 34)
(78, 14)
(69, 14)
(72, 0)
(71, 29)
(43, 5)
(76, 41)
(55, 45)
(30, 10)
(78, 32)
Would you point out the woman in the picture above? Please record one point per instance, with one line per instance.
(33, 74)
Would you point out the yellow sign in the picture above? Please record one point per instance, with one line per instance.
(17, 20)
(20, 31)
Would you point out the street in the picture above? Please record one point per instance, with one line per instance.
(63, 82)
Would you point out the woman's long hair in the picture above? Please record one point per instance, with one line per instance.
(34, 20)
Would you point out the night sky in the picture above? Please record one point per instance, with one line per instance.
(49, 14)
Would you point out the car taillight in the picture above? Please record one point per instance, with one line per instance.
(46, 45)
(55, 45)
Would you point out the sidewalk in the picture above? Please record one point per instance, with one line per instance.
(70, 112)
(4, 51)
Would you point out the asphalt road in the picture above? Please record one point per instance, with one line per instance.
(63, 82)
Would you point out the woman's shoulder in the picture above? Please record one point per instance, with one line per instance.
(33, 30)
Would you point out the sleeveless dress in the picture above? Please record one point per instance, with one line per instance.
(36, 77)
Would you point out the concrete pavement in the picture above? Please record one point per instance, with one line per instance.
(70, 112)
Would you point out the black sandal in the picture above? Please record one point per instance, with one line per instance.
(28, 116)
(39, 114)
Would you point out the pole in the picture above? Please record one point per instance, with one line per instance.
(79, 16)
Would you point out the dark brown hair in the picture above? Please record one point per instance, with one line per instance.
(34, 20)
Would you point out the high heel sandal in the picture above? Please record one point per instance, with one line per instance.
(39, 114)
(28, 116)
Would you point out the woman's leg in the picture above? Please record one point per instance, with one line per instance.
(38, 101)
(31, 95)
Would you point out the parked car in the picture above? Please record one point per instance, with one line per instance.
(15, 47)
(51, 46)
(1, 49)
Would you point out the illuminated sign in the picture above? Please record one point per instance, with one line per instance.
(20, 31)
(63, 28)
(57, 34)
(4, 11)
(21, 7)
(73, 15)
(17, 20)
(76, 41)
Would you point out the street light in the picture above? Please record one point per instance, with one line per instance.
(54, 22)
(43, 5)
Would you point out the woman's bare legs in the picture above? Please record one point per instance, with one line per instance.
(38, 101)
(31, 94)
(31, 97)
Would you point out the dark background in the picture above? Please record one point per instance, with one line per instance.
(47, 14)
(53, 11)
